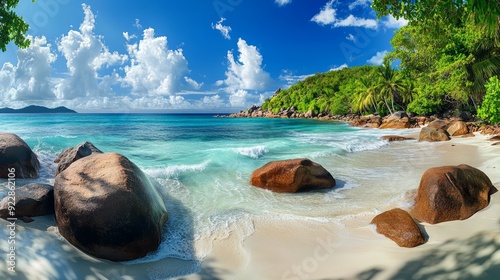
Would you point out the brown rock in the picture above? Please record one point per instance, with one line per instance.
(372, 125)
(310, 114)
(295, 175)
(399, 226)
(31, 201)
(398, 120)
(439, 124)
(468, 135)
(107, 207)
(431, 134)
(457, 128)
(392, 138)
(495, 138)
(16, 154)
(451, 193)
(70, 155)
(420, 120)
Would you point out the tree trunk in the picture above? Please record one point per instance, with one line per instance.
(387, 105)
(374, 107)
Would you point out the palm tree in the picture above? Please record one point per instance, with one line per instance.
(366, 95)
(486, 64)
(390, 86)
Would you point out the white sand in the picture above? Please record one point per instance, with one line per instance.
(298, 249)
(468, 249)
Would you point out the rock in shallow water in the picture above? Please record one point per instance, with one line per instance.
(450, 193)
(107, 207)
(70, 155)
(295, 175)
(15, 153)
(392, 138)
(431, 134)
(399, 226)
(457, 128)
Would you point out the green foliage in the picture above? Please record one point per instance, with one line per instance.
(12, 27)
(425, 103)
(490, 108)
(331, 92)
(446, 54)
(449, 58)
(484, 13)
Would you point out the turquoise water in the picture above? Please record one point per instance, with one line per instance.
(202, 166)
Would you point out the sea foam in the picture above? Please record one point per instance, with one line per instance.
(175, 170)
(252, 152)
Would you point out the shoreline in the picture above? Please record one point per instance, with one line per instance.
(305, 248)
(403, 120)
(314, 249)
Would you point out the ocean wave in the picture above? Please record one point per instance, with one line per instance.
(348, 142)
(176, 170)
(252, 152)
(359, 146)
(48, 168)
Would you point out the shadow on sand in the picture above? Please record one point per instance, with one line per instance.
(41, 253)
(473, 258)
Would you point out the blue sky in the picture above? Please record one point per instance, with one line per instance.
(183, 56)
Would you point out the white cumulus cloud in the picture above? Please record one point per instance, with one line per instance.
(239, 99)
(224, 30)
(155, 69)
(378, 58)
(391, 22)
(340, 67)
(356, 22)
(214, 101)
(360, 3)
(326, 15)
(30, 79)
(85, 53)
(283, 2)
(246, 73)
(194, 84)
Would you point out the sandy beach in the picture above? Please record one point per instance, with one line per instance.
(313, 248)
(468, 249)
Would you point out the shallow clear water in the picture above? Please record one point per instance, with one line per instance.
(203, 164)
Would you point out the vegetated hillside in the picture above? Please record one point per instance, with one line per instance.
(331, 92)
(448, 61)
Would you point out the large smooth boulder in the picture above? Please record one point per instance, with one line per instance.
(457, 128)
(107, 207)
(31, 201)
(295, 175)
(15, 153)
(431, 134)
(450, 193)
(70, 155)
(400, 227)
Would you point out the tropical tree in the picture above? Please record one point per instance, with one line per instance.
(366, 95)
(12, 27)
(490, 108)
(483, 12)
(390, 86)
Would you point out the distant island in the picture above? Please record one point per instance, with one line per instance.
(33, 109)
